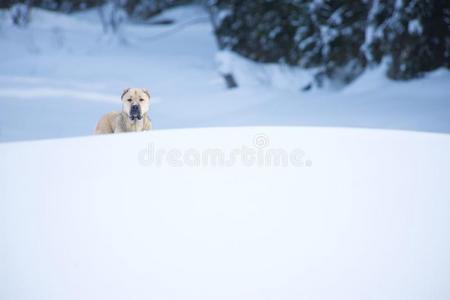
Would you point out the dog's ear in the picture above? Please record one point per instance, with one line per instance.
(146, 92)
(124, 92)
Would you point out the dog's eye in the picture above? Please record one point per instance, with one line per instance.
(129, 100)
(141, 100)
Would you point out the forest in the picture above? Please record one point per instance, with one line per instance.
(337, 40)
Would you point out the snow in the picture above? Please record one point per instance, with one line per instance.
(366, 216)
(61, 74)
(414, 27)
(273, 210)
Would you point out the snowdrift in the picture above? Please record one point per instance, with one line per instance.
(181, 214)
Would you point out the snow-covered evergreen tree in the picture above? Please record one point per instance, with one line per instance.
(261, 30)
(414, 36)
(339, 38)
(341, 30)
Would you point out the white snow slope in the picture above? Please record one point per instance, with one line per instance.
(60, 75)
(356, 214)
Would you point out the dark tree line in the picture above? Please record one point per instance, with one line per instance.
(55, 5)
(139, 9)
(339, 39)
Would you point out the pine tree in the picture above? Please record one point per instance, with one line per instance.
(341, 27)
(412, 35)
(327, 35)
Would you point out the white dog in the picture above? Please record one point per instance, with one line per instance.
(133, 117)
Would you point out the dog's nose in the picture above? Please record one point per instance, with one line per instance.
(135, 112)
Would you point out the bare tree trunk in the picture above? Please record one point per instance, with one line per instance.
(21, 13)
(112, 15)
(228, 76)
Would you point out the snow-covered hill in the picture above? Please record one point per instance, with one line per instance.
(219, 213)
(350, 214)
(61, 74)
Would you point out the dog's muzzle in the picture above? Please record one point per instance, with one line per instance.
(135, 112)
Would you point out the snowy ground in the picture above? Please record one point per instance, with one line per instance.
(203, 213)
(359, 214)
(60, 75)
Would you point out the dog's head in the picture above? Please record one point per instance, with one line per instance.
(135, 102)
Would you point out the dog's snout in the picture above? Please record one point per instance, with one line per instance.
(135, 108)
(135, 112)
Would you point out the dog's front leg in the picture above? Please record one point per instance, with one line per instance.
(148, 125)
(120, 126)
